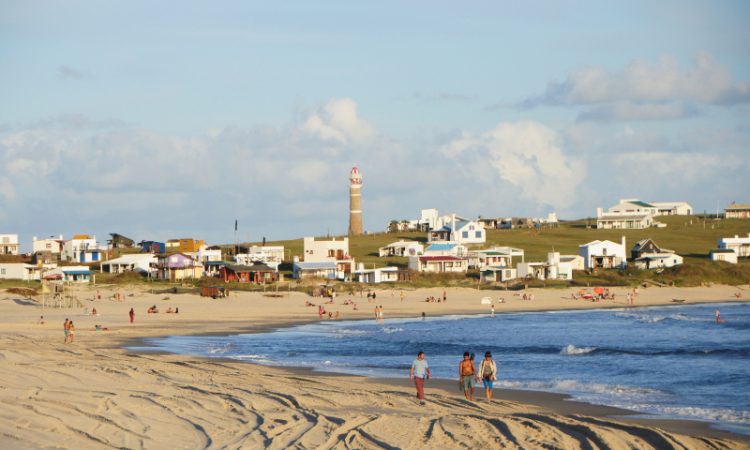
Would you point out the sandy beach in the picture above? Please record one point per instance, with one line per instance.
(94, 393)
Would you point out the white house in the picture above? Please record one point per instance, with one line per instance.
(51, 244)
(725, 255)
(81, 248)
(648, 255)
(673, 208)
(375, 276)
(402, 248)
(740, 245)
(9, 244)
(552, 269)
(603, 254)
(459, 230)
(206, 254)
(317, 269)
(737, 211)
(270, 255)
(575, 261)
(446, 249)
(495, 257)
(135, 262)
(438, 264)
(491, 274)
(630, 213)
(326, 250)
(623, 222)
(19, 271)
(73, 274)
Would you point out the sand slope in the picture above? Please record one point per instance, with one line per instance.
(58, 396)
(94, 394)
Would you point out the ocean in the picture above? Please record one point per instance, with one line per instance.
(675, 362)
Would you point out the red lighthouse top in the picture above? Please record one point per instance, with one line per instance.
(354, 176)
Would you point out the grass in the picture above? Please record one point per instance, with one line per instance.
(689, 236)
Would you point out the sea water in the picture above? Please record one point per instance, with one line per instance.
(671, 361)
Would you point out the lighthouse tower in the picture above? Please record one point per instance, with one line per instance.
(355, 202)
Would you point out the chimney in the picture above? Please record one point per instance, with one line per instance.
(453, 227)
(33, 239)
(599, 212)
(623, 243)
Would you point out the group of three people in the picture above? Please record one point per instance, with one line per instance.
(467, 375)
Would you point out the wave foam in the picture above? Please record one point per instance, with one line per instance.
(571, 349)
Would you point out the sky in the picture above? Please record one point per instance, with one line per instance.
(159, 120)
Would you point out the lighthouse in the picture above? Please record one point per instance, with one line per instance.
(355, 202)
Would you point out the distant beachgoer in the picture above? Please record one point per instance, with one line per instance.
(377, 313)
(492, 311)
(374, 296)
(424, 316)
(445, 297)
(338, 315)
(330, 315)
(738, 294)
(321, 311)
(132, 315)
(402, 296)
(718, 317)
(40, 321)
(465, 373)
(98, 295)
(71, 331)
(65, 330)
(382, 314)
(419, 372)
(169, 310)
(94, 312)
(488, 372)
(177, 310)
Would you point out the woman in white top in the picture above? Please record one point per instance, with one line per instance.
(488, 372)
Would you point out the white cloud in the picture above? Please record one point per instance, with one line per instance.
(337, 120)
(526, 154)
(646, 90)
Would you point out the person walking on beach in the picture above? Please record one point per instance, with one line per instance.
(419, 372)
(492, 310)
(71, 332)
(402, 296)
(132, 315)
(445, 297)
(465, 374)
(488, 372)
(65, 330)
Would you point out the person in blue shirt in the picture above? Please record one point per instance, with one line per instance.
(419, 371)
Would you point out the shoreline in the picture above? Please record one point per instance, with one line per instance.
(558, 402)
(82, 392)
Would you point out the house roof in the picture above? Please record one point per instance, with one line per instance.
(131, 258)
(737, 206)
(642, 203)
(623, 216)
(721, 250)
(441, 247)
(76, 272)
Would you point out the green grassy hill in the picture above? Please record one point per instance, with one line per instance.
(692, 237)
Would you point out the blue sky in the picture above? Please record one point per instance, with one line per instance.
(164, 119)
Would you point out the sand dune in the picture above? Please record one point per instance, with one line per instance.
(94, 394)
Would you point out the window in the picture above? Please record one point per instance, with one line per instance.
(331, 253)
(479, 234)
(2, 271)
(465, 234)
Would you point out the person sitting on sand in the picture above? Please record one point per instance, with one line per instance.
(40, 321)
(94, 312)
(330, 315)
(738, 294)
(153, 310)
(177, 310)
(169, 310)
(338, 315)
